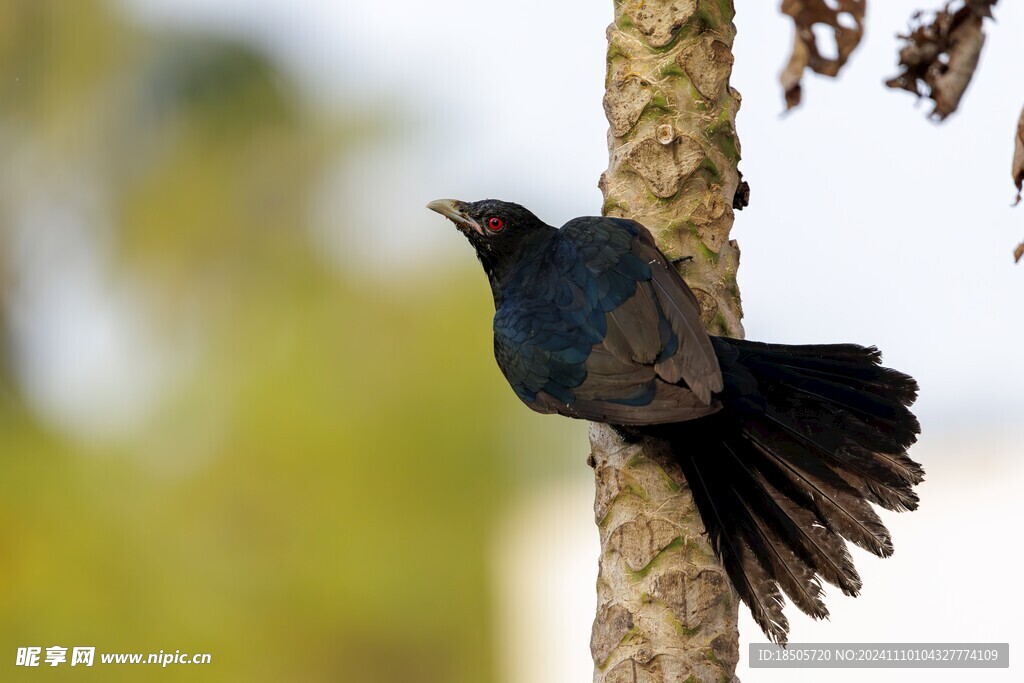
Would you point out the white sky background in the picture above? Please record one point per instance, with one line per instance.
(867, 223)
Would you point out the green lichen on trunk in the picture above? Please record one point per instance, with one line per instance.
(666, 610)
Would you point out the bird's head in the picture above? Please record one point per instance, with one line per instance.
(499, 231)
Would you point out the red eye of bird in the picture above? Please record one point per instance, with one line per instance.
(494, 224)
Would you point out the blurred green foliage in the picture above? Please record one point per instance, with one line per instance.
(314, 497)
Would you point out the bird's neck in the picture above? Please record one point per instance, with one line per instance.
(510, 269)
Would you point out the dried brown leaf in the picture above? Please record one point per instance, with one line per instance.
(1018, 252)
(938, 58)
(1017, 168)
(847, 24)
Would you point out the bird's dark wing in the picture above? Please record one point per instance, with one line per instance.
(607, 330)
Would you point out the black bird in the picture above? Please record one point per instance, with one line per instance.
(784, 447)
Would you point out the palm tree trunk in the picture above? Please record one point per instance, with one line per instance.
(666, 609)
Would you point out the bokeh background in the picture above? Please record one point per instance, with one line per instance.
(247, 400)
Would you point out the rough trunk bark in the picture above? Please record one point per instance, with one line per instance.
(666, 609)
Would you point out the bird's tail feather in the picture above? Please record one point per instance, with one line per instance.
(810, 436)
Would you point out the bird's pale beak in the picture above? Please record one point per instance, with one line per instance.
(452, 210)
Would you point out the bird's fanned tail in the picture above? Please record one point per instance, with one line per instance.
(810, 436)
